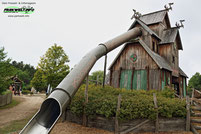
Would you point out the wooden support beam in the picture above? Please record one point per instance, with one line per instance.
(160, 80)
(188, 115)
(156, 107)
(119, 77)
(63, 118)
(135, 127)
(148, 87)
(133, 71)
(192, 97)
(97, 80)
(111, 71)
(117, 114)
(105, 65)
(84, 120)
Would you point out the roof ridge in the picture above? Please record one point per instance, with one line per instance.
(154, 12)
(171, 28)
(148, 29)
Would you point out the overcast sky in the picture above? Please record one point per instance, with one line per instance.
(80, 25)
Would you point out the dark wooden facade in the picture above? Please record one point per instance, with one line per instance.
(152, 60)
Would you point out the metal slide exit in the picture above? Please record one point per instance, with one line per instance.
(52, 108)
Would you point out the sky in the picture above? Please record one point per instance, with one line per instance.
(79, 26)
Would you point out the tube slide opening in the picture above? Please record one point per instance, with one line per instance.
(49, 112)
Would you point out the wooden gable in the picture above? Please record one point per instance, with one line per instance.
(124, 60)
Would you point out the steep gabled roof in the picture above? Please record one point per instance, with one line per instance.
(160, 61)
(170, 35)
(154, 17)
(145, 27)
(181, 72)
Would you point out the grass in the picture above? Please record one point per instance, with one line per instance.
(12, 104)
(14, 126)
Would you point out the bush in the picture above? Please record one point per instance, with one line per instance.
(26, 92)
(135, 103)
(6, 92)
(27, 87)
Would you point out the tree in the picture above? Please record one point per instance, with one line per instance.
(53, 66)
(3, 55)
(25, 72)
(97, 75)
(195, 81)
(6, 71)
(38, 81)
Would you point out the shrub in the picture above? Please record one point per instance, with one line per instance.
(27, 87)
(6, 92)
(135, 103)
(26, 92)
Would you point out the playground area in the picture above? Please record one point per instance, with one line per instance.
(30, 104)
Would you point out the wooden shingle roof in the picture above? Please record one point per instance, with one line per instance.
(170, 35)
(154, 17)
(160, 61)
(145, 27)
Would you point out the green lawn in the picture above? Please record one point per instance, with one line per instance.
(14, 126)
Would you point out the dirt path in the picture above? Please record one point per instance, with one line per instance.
(72, 128)
(27, 107)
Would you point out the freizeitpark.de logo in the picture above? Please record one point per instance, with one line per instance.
(22, 10)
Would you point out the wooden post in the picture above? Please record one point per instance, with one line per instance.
(64, 115)
(192, 97)
(188, 113)
(117, 113)
(160, 81)
(97, 80)
(84, 121)
(105, 65)
(156, 107)
(133, 71)
(120, 76)
(111, 77)
(147, 78)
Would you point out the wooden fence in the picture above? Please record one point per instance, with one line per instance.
(137, 125)
(5, 99)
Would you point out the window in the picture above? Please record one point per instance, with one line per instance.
(173, 59)
(156, 48)
(153, 46)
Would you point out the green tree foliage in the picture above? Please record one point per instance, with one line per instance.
(3, 55)
(25, 72)
(195, 81)
(96, 75)
(38, 81)
(53, 66)
(6, 71)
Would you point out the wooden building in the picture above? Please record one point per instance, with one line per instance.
(152, 60)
